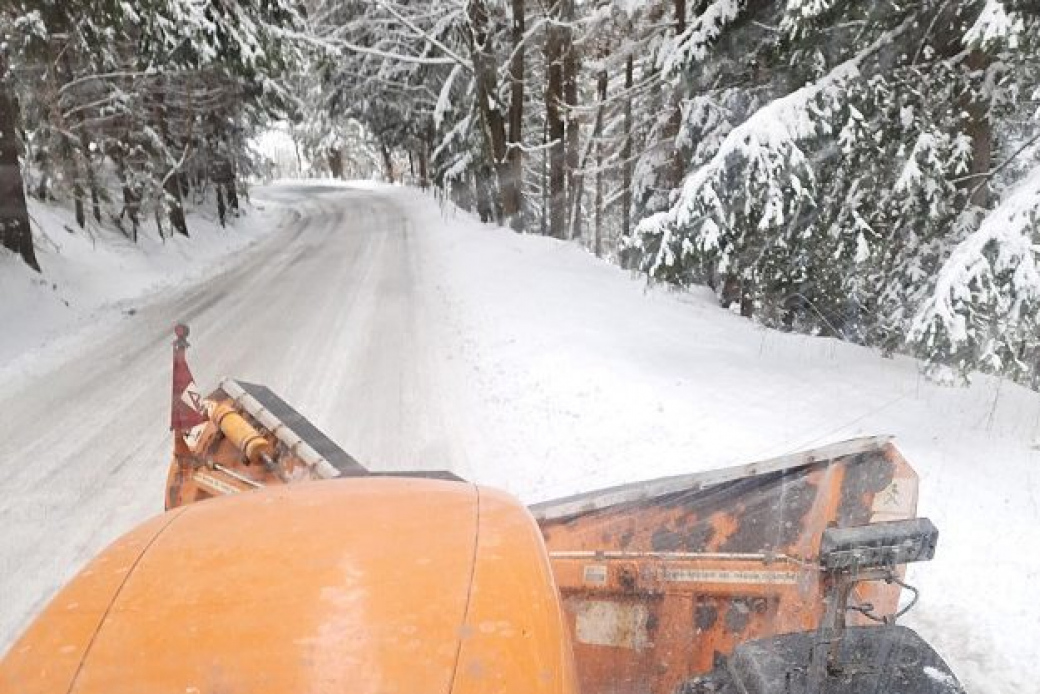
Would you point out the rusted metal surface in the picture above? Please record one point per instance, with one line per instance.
(250, 438)
(658, 586)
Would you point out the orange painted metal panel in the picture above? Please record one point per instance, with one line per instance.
(46, 659)
(359, 585)
(515, 637)
(658, 588)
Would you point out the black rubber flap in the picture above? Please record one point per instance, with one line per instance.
(889, 659)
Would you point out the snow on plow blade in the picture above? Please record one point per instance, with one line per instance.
(662, 579)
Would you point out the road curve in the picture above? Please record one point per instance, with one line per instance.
(327, 311)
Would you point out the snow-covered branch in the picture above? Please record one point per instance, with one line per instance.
(987, 294)
(692, 45)
(759, 172)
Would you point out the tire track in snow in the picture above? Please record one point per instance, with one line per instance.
(323, 311)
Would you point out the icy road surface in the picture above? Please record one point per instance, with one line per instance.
(420, 338)
(327, 313)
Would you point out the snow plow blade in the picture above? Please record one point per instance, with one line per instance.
(661, 580)
(249, 439)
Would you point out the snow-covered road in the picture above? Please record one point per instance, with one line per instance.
(417, 337)
(324, 312)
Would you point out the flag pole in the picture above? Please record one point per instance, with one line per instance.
(180, 347)
(183, 417)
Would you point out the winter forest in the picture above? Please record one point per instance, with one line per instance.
(868, 171)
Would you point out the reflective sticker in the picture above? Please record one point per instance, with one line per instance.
(191, 397)
(214, 485)
(596, 574)
(896, 501)
(193, 435)
(724, 576)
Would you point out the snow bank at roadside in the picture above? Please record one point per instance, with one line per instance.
(97, 275)
(578, 377)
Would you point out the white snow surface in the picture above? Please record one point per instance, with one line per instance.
(99, 274)
(419, 338)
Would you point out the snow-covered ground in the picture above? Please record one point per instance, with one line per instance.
(582, 377)
(418, 337)
(98, 274)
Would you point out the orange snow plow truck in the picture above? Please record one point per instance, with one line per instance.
(283, 566)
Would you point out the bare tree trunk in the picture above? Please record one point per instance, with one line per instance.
(335, 159)
(948, 41)
(77, 194)
(570, 98)
(171, 180)
(388, 161)
(980, 130)
(231, 186)
(545, 179)
(95, 192)
(43, 165)
(601, 93)
(747, 299)
(131, 200)
(84, 145)
(494, 125)
(554, 59)
(15, 232)
(736, 290)
(485, 204)
(92, 183)
(626, 154)
(67, 152)
(175, 202)
(677, 166)
(221, 207)
(515, 154)
(424, 164)
(462, 193)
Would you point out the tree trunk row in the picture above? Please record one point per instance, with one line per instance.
(15, 232)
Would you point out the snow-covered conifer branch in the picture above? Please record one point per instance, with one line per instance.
(986, 296)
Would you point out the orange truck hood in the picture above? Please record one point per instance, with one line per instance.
(360, 585)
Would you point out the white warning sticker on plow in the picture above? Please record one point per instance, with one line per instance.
(605, 623)
(192, 437)
(214, 485)
(728, 576)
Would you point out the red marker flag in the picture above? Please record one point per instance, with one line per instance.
(187, 410)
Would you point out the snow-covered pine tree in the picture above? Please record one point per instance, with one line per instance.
(981, 308)
(133, 107)
(828, 201)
